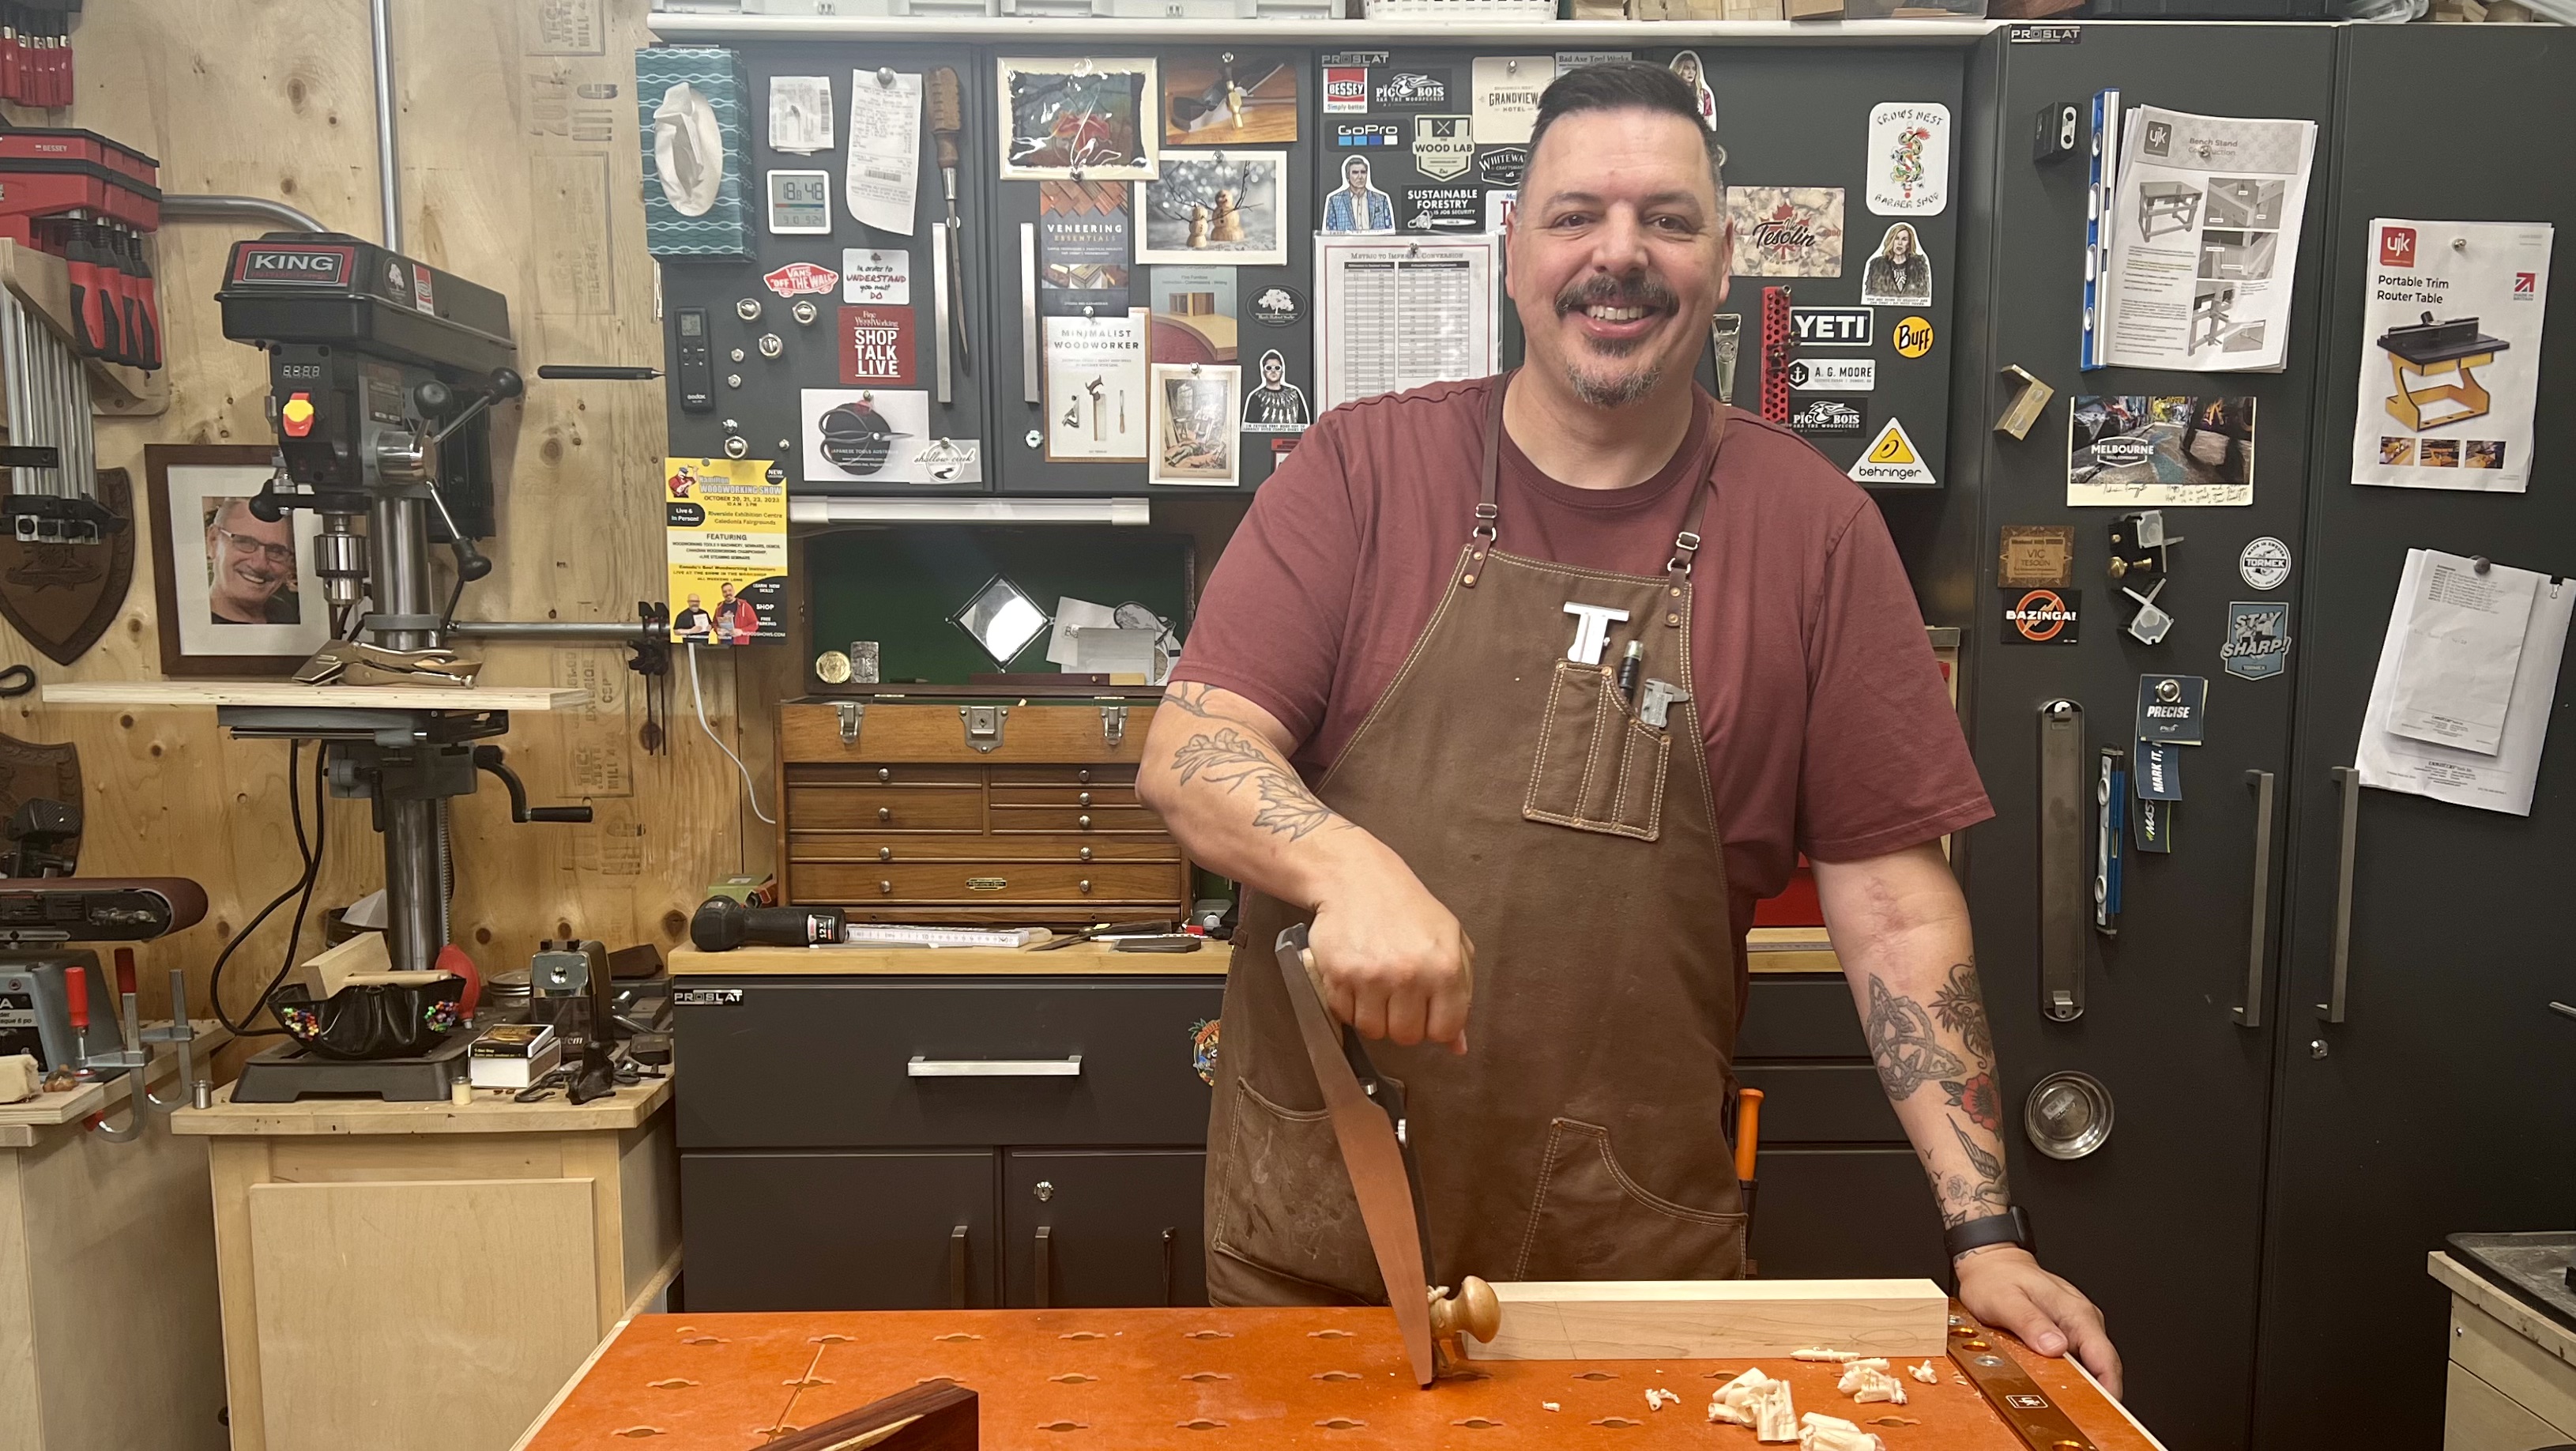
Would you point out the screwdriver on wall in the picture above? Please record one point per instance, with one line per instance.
(947, 121)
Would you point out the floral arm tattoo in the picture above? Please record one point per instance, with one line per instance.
(1950, 1046)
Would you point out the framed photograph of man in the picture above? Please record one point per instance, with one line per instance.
(235, 592)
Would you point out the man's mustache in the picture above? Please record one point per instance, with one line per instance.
(1601, 291)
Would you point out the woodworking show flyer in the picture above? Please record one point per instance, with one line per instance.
(2450, 354)
(2203, 240)
(724, 533)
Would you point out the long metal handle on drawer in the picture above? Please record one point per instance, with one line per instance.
(2250, 1015)
(1046, 1270)
(1068, 1067)
(1171, 1257)
(957, 1268)
(2348, 781)
(1029, 313)
(2065, 878)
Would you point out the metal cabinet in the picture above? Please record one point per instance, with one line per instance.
(1102, 1227)
(842, 1231)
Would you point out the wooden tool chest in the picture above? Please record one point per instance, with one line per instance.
(973, 810)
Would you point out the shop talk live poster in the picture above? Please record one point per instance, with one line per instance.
(725, 546)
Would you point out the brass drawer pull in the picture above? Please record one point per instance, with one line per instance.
(1083, 800)
(885, 889)
(1085, 884)
(1083, 776)
(884, 775)
(1086, 853)
(1083, 821)
(885, 813)
(885, 853)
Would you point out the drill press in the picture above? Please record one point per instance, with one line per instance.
(383, 374)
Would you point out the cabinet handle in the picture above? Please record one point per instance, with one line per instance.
(2348, 781)
(1066, 1067)
(1083, 821)
(957, 1268)
(1084, 799)
(885, 889)
(2251, 1014)
(1086, 853)
(1029, 392)
(1085, 884)
(2065, 895)
(885, 853)
(885, 813)
(1171, 1240)
(884, 775)
(1083, 776)
(1046, 1271)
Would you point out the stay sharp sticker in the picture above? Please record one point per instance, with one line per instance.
(2263, 563)
(801, 279)
(1832, 327)
(1826, 418)
(1892, 458)
(2042, 616)
(876, 344)
(1833, 375)
(1909, 158)
(1443, 146)
(878, 275)
(2170, 708)
(2258, 639)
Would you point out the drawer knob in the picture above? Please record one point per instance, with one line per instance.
(1083, 821)
(885, 813)
(1085, 884)
(885, 853)
(885, 889)
(1083, 776)
(1086, 853)
(1084, 799)
(884, 775)
(1043, 1190)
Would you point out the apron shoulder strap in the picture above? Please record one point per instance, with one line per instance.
(1686, 544)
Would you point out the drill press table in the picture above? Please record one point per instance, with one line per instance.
(1207, 1379)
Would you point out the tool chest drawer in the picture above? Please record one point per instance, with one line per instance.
(1800, 1016)
(910, 812)
(914, 1062)
(1822, 1103)
(840, 1231)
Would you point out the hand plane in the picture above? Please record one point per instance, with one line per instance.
(1367, 1110)
(347, 662)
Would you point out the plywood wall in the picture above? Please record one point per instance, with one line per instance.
(520, 171)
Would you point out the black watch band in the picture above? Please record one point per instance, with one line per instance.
(2010, 1227)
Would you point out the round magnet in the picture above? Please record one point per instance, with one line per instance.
(832, 668)
(2068, 1115)
(2264, 563)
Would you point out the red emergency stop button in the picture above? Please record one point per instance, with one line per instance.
(297, 416)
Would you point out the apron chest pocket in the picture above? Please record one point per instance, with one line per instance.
(1598, 767)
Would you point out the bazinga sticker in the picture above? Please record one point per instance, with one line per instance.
(2258, 639)
(2043, 616)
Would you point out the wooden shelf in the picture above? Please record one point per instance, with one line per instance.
(43, 282)
(1107, 35)
(19, 1121)
(493, 1111)
(1081, 959)
(286, 693)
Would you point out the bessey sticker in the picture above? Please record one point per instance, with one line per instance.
(1346, 90)
(876, 345)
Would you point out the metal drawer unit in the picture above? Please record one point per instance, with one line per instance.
(977, 810)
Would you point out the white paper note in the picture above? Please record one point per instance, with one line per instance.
(2450, 354)
(1115, 651)
(2503, 780)
(1070, 615)
(1392, 315)
(885, 148)
(2202, 240)
(800, 114)
(2463, 644)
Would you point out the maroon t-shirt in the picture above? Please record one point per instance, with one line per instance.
(1828, 726)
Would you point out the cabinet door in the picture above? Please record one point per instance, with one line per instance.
(1103, 1227)
(838, 1231)
(2440, 1103)
(1857, 1211)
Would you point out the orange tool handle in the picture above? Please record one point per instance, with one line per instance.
(1748, 1129)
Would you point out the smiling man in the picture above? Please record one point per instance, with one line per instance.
(1405, 715)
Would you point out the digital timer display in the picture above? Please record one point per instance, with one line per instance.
(800, 202)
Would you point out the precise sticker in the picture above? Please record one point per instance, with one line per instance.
(2258, 639)
(870, 274)
(2042, 616)
(1892, 459)
(2170, 708)
(1278, 305)
(2036, 555)
(1913, 337)
(1500, 165)
(1832, 327)
(1365, 133)
(801, 279)
(1443, 146)
(1346, 90)
(2263, 563)
(1826, 418)
(876, 344)
(1444, 209)
(1909, 158)
(1409, 90)
(1833, 375)
(1787, 231)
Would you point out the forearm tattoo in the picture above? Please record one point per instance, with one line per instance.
(1961, 1006)
(1976, 1194)
(1191, 698)
(1230, 759)
(1902, 1044)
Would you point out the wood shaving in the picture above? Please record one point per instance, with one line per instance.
(1925, 1373)
(1818, 1352)
(1756, 1400)
(1868, 1380)
(1550, 1406)
(1832, 1433)
(1656, 1400)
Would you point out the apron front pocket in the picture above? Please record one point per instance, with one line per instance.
(1597, 768)
(1286, 1226)
(1590, 1221)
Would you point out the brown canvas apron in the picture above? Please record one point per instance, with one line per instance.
(1583, 1136)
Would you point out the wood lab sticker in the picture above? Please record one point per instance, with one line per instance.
(876, 345)
(2042, 616)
